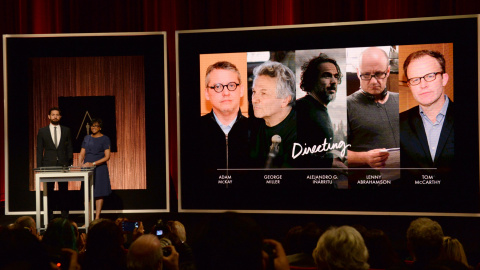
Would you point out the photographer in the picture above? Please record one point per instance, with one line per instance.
(175, 232)
(148, 252)
(131, 230)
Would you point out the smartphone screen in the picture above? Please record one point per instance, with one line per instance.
(129, 226)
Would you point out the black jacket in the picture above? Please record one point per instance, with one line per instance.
(221, 151)
(48, 154)
(415, 152)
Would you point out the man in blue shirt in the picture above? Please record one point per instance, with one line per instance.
(426, 131)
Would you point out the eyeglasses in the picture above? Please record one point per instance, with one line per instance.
(219, 87)
(430, 77)
(377, 75)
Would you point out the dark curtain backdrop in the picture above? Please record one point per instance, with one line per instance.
(89, 16)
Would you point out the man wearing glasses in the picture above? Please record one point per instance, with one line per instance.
(372, 113)
(426, 131)
(224, 130)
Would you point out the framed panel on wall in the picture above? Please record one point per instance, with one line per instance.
(120, 78)
(341, 118)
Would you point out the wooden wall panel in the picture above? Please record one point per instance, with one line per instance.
(119, 76)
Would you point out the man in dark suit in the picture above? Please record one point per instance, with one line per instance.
(54, 148)
(426, 131)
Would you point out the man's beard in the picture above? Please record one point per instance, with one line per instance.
(326, 97)
(55, 122)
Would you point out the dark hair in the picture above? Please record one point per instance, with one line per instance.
(164, 226)
(419, 54)
(309, 237)
(291, 243)
(55, 109)
(381, 253)
(60, 233)
(19, 248)
(302, 239)
(229, 241)
(310, 72)
(104, 248)
(98, 121)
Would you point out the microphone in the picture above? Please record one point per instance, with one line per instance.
(276, 140)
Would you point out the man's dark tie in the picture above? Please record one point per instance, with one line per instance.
(55, 136)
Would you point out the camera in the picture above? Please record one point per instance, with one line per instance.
(164, 243)
(160, 229)
(129, 226)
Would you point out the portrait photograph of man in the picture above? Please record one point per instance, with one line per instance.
(224, 111)
(273, 100)
(373, 127)
(427, 114)
(321, 103)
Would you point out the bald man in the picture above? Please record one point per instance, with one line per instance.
(147, 253)
(27, 223)
(373, 119)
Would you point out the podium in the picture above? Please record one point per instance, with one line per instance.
(63, 174)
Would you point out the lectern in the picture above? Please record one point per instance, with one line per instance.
(63, 174)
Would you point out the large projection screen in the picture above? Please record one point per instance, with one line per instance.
(118, 77)
(231, 170)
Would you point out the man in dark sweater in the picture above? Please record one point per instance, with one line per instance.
(320, 78)
(273, 97)
(224, 131)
